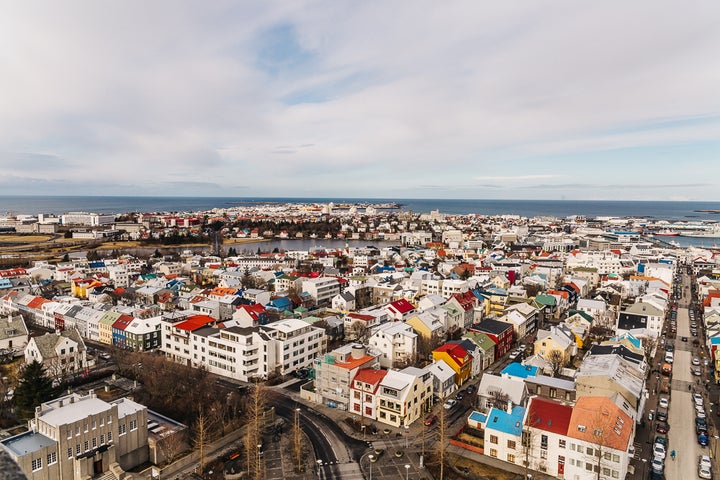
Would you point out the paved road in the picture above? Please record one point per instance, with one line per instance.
(682, 435)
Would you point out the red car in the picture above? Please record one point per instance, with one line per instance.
(430, 419)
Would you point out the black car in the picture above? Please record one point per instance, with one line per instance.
(669, 347)
(700, 424)
(661, 416)
(684, 339)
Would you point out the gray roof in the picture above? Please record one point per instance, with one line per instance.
(27, 442)
(551, 382)
(46, 343)
(11, 327)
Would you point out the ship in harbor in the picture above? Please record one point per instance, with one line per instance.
(711, 231)
(666, 233)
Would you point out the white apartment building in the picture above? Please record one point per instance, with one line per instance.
(396, 342)
(444, 288)
(88, 219)
(321, 289)
(298, 344)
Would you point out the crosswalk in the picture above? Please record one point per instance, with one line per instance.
(343, 471)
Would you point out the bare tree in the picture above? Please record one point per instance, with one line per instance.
(557, 361)
(172, 444)
(358, 330)
(649, 346)
(255, 409)
(201, 437)
(297, 442)
(499, 399)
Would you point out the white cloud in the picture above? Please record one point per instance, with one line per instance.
(368, 99)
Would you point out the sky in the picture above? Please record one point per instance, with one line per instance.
(391, 99)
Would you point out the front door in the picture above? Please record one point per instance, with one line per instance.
(97, 467)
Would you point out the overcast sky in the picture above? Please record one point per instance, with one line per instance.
(410, 99)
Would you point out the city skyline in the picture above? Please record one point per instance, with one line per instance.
(551, 101)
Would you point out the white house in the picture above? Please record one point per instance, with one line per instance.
(396, 342)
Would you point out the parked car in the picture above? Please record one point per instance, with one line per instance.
(662, 427)
(700, 425)
(663, 402)
(661, 440)
(662, 415)
(702, 438)
(696, 361)
(470, 389)
(449, 404)
(658, 465)
(696, 371)
(430, 419)
(659, 451)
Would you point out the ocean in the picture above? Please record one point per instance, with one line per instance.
(34, 204)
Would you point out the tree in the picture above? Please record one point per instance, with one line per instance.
(255, 410)
(171, 444)
(35, 387)
(499, 399)
(201, 437)
(557, 361)
(358, 330)
(649, 346)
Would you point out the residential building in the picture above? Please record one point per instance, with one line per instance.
(364, 391)
(61, 353)
(80, 436)
(403, 397)
(321, 289)
(335, 371)
(13, 334)
(457, 358)
(396, 342)
(500, 332)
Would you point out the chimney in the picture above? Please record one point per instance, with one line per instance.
(357, 351)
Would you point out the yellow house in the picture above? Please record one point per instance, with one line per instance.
(80, 286)
(458, 358)
(427, 325)
(558, 339)
(105, 327)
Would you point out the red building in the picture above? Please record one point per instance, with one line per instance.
(500, 332)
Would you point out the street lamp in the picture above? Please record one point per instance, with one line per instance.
(319, 464)
(715, 446)
(407, 430)
(258, 465)
(644, 460)
(407, 471)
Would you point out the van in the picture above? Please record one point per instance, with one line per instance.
(669, 357)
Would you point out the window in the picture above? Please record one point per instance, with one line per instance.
(589, 451)
(36, 464)
(94, 442)
(77, 449)
(70, 452)
(86, 446)
(94, 424)
(543, 454)
(589, 467)
(493, 453)
(109, 437)
(544, 442)
(511, 444)
(511, 458)
(69, 432)
(86, 428)
(102, 439)
(493, 439)
(616, 458)
(109, 418)
(52, 458)
(561, 443)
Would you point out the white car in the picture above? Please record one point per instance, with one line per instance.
(695, 361)
(704, 461)
(450, 404)
(664, 403)
(697, 398)
(659, 451)
(700, 414)
(658, 465)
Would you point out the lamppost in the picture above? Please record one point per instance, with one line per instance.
(258, 466)
(716, 438)
(319, 464)
(644, 460)
(407, 471)
(407, 432)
